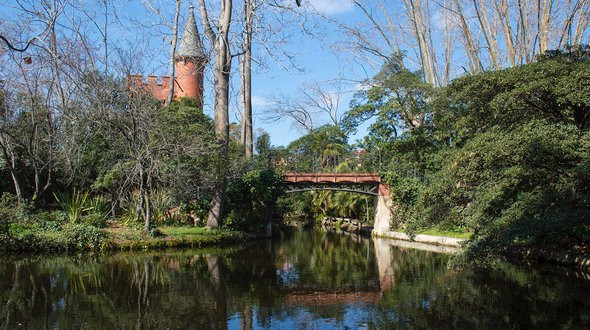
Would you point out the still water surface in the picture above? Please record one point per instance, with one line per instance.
(302, 279)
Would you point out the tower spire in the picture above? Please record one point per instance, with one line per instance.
(191, 45)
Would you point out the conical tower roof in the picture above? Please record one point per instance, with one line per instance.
(190, 42)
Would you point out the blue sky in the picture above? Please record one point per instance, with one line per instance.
(319, 63)
(314, 59)
(141, 33)
(137, 30)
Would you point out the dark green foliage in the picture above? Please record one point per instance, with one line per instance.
(522, 186)
(95, 219)
(554, 90)
(51, 221)
(155, 232)
(397, 100)
(504, 154)
(188, 150)
(8, 213)
(575, 53)
(83, 237)
(295, 205)
(12, 215)
(252, 198)
(264, 150)
(50, 226)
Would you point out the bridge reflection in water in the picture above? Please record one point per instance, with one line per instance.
(300, 279)
(370, 290)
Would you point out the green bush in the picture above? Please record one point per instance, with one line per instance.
(83, 237)
(237, 220)
(529, 185)
(50, 221)
(11, 213)
(97, 220)
(251, 199)
(52, 226)
(155, 232)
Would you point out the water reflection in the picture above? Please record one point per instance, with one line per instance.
(301, 279)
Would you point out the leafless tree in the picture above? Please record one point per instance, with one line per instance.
(41, 84)
(269, 25)
(311, 105)
(173, 26)
(491, 34)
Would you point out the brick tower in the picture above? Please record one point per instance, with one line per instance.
(189, 68)
(190, 62)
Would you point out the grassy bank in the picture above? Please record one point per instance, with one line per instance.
(79, 238)
(446, 233)
(172, 237)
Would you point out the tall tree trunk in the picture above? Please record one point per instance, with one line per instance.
(147, 214)
(488, 34)
(421, 33)
(582, 23)
(105, 39)
(173, 55)
(448, 45)
(11, 163)
(246, 71)
(470, 47)
(544, 17)
(221, 71)
(502, 11)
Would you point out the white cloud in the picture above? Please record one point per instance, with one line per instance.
(260, 101)
(331, 7)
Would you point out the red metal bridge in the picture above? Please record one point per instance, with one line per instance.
(364, 183)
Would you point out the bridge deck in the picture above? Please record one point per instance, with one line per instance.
(332, 177)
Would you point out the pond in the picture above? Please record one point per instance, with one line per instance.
(300, 279)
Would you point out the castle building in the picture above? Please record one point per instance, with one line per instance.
(189, 68)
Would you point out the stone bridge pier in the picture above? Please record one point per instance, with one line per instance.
(383, 213)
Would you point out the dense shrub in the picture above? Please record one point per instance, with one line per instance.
(528, 185)
(95, 219)
(83, 237)
(12, 214)
(504, 154)
(51, 226)
(251, 199)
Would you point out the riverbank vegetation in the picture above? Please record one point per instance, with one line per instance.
(119, 170)
(502, 157)
(494, 146)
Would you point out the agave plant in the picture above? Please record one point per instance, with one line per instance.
(73, 205)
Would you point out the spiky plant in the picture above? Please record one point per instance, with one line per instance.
(74, 205)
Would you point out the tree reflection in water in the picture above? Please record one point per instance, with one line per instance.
(303, 278)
